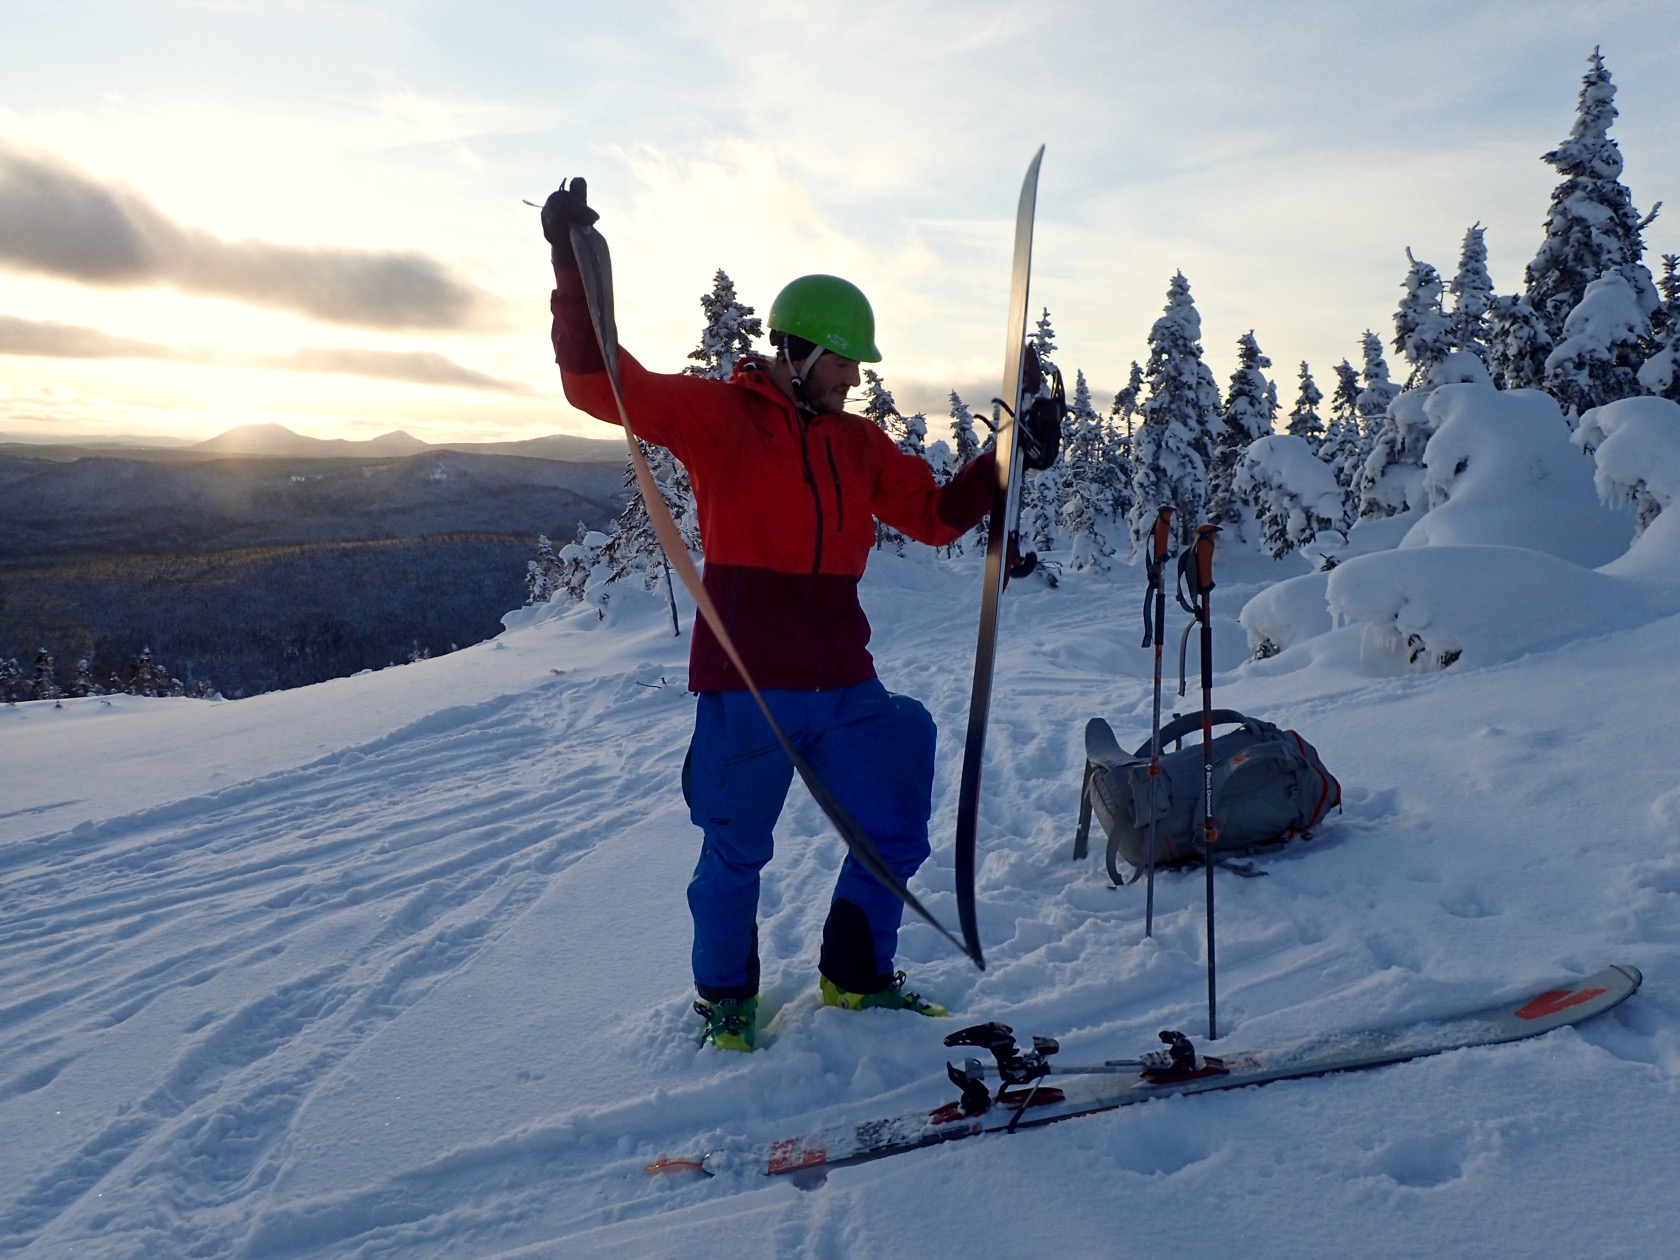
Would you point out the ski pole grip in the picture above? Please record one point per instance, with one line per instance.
(1204, 556)
(1161, 534)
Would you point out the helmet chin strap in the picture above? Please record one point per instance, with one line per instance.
(799, 373)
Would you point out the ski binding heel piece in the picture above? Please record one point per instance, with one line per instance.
(1179, 1061)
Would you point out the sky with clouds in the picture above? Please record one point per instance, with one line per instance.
(217, 212)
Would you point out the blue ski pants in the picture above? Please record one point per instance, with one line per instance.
(875, 752)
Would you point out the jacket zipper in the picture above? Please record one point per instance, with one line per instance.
(816, 495)
(839, 499)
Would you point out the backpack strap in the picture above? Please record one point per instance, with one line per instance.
(1102, 752)
(1179, 727)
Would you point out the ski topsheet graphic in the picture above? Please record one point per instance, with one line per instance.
(1005, 506)
(1024, 1098)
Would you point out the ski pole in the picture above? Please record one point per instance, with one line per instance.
(1203, 577)
(1160, 542)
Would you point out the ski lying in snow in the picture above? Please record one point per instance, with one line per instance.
(1023, 1099)
(1001, 530)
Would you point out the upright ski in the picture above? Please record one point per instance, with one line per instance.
(1001, 527)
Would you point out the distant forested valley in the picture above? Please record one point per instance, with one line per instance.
(257, 574)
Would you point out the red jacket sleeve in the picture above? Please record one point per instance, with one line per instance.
(668, 410)
(912, 502)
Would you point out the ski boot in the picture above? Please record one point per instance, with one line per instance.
(731, 1023)
(891, 998)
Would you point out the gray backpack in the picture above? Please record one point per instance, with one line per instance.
(1268, 785)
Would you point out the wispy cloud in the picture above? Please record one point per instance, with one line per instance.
(57, 220)
(44, 339)
(419, 367)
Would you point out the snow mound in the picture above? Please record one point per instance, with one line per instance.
(1287, 613)
(1636, 444)
(1459, 368)
(1501, 471)
(1430, 606)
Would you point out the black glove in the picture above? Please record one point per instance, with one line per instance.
(1043, 404)
(567, 207)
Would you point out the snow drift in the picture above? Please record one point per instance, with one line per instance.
(1430, 606)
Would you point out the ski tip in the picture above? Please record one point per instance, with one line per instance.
(1631, 972)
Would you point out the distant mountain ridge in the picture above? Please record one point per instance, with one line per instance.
(277, 439)
(281, 441)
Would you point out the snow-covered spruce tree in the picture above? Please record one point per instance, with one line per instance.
(1128, 400)
(1081, 435)
(913, 439)
(46, 685)
(1251, 407)
(1086, 546)
(84, 683)
(1116, 449)
(578, 559)
(1345, 448)
(880, 410)
(1095, 457)
(1591, 226)
(11, 677)
(1668, 289)
(1044, 339)
(1086, 480)
(1304, 420)
(1295, 496)
(1041, 502)
(1604, 340)
(1660, 373)
(1472, 290)
(633, 546)
(1117, 446)
(1396, 436)
(1169, 454)
(1422, 331)
(967, 445)
(731, 328)
(1379, 391)
(146, 677)
(1518, 343)
(878, 405)
(542, 575)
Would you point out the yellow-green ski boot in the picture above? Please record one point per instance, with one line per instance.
(892, 998)
(731, 1023)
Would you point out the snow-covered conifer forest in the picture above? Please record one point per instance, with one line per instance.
(397, 964)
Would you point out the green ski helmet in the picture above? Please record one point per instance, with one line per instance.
(828, 312)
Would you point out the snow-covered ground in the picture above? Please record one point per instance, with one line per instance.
(398, 964)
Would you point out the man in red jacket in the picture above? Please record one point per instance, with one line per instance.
(788, 488)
